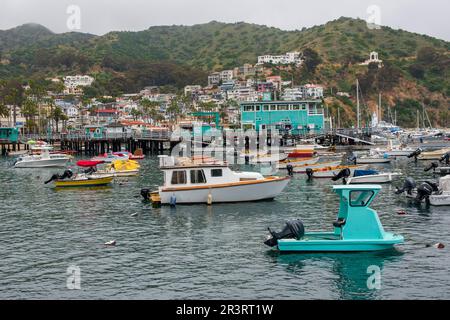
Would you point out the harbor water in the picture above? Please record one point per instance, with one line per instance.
(205, 252)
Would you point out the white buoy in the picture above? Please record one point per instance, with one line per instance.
(110, 243)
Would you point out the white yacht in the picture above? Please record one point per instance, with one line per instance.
(43, 160)
(207, 180)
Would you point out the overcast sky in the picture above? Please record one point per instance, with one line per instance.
(101, 16)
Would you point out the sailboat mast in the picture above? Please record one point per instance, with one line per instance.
(357, 105)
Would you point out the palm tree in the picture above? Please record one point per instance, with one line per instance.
(4, 111)
(29, 111)
(57, 115)
(149, 108)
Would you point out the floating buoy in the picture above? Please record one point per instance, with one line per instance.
(438, 245)
(209, 200)
(134, 214)
(173, 200)
(110, 243)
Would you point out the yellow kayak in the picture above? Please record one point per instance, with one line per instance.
(84, 182)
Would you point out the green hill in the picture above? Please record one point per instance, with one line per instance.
(416, 67)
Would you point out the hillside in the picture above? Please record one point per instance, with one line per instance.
(416, 66)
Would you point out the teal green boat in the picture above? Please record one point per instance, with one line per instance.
(357, 228)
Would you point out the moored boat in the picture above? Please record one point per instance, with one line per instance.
(332, 172)
(316, 166)
(297, 162)
(357, 228)
(210, 181)
(43, 160)
(371, 176)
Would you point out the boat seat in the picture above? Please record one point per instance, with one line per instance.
(339, 223)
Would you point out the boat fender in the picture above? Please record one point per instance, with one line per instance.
(209, 200)
(173, 200)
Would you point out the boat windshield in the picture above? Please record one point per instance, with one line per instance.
(360, 198)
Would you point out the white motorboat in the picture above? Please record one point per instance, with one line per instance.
(436, 194)
(333, 172)
(393, 150)
(371, 176)
(372, 159)
(200, 180)
(42, 160)
(111, 157)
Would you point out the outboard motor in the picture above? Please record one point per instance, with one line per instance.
(408, 186)
(66, 175)
(90, 170)
(145, 193)
(294, 229)
(290, 170)
(446, 158)
(343, 174)
(309, 173)
(352, 158)
(415, 154)
(432, 166)
(424, 191)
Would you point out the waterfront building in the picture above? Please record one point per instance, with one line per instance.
(293, 94)
(297, 117)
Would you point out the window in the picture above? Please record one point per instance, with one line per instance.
(258, 108)
(198, 176)
(360, 198)
(266, 108)
(283, 107)
(216, 173)
(296, 107)
(178, 177)
(248, 108)
(273, 107)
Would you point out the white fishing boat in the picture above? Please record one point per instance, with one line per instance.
(393, 150)
(316, 166)
(372, 159)
(332, 172)
(200, 180)
(436, 194)
(433, 155)
(371, 176)
(43, 160)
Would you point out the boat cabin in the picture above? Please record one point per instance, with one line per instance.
(200, 172)
(355, 219)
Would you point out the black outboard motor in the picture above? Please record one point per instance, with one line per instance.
(290, 170)
(294, 229)
(66, 175)
(145, 193)
(408, 186)
(309, 173)
(446, 158)
(90, 170)
(343, 174)
(415, 154)
(424, 191)
(432, 166)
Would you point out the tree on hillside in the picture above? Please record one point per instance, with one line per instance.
(311, 60)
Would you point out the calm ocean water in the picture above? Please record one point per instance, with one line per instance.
(196, 251)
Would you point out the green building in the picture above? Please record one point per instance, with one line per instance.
(297, 117)
(9, 135)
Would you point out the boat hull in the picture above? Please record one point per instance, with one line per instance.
(297, 163)
(234, 192)
(440, 200)
(316, 166)
(328, 174)
(83, 183)
(48, 163)
(369, 179)
(372, 160)
(351, 245)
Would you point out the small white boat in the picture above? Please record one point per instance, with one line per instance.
(42, 160)
(376, 177)
(316, 166)
(393, 150)
(372, 159)
(332, 172)
(436, 194)
(203, 181)
(111, 157)
(433, 155)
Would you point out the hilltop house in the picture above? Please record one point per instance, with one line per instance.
(288, 58)
(73, 84)
(373, 58)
